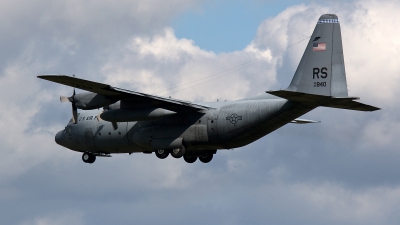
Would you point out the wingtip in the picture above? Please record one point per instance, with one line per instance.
(42, 76)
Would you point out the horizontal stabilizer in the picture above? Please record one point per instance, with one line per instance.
(322, 100)
(304, 121)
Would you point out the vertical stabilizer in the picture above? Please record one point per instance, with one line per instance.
(321, 70)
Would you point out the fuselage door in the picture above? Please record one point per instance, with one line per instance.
(212, 128)
(201, 133)
(89, 139)
(75, 133)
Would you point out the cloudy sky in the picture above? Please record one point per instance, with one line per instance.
(344, 170)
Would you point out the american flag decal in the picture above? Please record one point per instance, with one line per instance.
(319, 47)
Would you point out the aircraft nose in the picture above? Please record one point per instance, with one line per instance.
(60, 138)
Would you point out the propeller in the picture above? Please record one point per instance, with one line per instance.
(71, 99)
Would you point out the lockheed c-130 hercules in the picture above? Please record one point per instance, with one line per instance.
(137, 122)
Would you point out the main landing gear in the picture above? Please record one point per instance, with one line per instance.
(204, 158)
(88, 157)
(162, 154)
(189, 158)
(176, 153)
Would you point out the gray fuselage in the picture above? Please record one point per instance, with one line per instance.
(229, 125)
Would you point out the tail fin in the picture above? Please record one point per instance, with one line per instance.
(320, 78)
(321, 69)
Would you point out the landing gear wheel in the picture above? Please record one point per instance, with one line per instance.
(178, 152)
(206, 157)
(88, 158)
(162, 154)
(190, 158)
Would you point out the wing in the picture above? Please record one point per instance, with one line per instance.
(129, 99)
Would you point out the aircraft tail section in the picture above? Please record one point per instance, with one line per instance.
(321, 70)
(320, 78)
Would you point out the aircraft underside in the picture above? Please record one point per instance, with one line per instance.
(191, 136)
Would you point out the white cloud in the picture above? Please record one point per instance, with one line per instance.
(155, 64)
(342, 205)
(372, 47)
(75, 218)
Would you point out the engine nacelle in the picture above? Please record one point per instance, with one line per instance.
(89, 100)
(140, 114)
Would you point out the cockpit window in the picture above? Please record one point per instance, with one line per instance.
(67, 129)
(71, 120)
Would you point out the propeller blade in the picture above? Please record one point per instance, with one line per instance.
(74, 114)
(64, 99)
(74, 109)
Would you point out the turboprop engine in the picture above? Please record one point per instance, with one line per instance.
(86, 101)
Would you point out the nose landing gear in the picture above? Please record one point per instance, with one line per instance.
(88, 157)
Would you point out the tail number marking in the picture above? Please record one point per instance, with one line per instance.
(319, 84)
(320, 73)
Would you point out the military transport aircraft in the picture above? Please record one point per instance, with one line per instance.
(136, 122)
